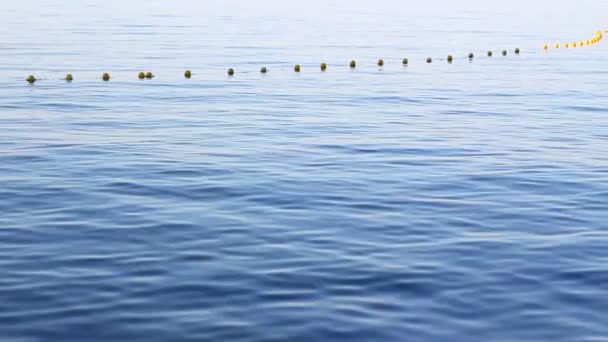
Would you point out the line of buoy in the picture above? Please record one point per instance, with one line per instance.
(596, 39)
(353, 64)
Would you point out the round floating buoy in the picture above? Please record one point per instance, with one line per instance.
(490, 53)
(105, 77)
(566, 45)
(230, 72)
(149, 75)
(450, 58)
(556, 45)
(353, 64)
(504, 52)
(545, 46)
(263, 70)
(380, 62)
(429, 60)
(188, 74)
(404, 61)
(31, 79)
(296, 68)
(69, 78)
(574, 44)
(323, 66)
(141, 75)
(471, 55)
(517, 51)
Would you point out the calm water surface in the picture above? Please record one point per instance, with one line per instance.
(433, 202)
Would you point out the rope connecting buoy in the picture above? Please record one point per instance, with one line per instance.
(188, 74)
(380, 62)
(230, 72)
(149, 75)
(69, 78)
(450, 58)
(323, 66)
(297, 68)
(429, 60)
(353, 64)
(31, 79)
(490, 53)
(105, 77)
(404, 61)
(141, 75)
(263, 70)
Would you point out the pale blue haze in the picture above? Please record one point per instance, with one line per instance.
(462, 202)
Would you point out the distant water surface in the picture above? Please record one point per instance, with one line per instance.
(442, 202)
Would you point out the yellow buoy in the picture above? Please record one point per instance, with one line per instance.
(429, 60)
(105, 77)
(230, 72)
(405, 61)
(450, 58)
(566, 45)
(556, 45)
(353, 64)
(471, 55)
(380, 62)
(149, 75)
(545, 46)
(581, 43)
(573, 44)
(263, 70)
(490, 53)
(296, 68)
(31, 79)
(188, 74)
(323, 66)
(517, 51)
(69, 78)
(141, 75)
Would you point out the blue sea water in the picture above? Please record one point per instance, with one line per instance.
(433, 202)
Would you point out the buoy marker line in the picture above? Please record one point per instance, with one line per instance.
(599, 35)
